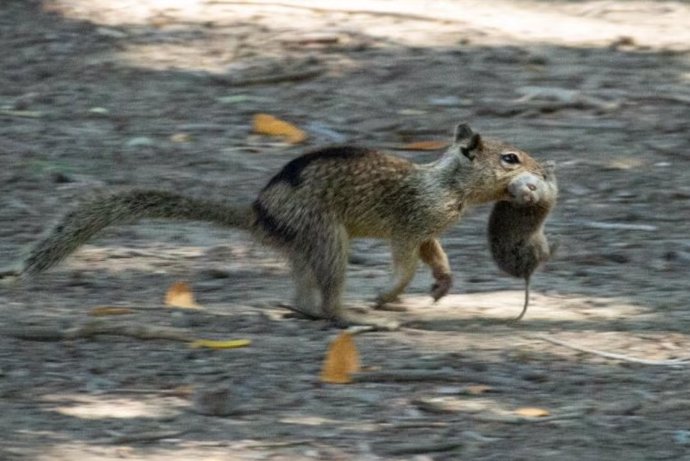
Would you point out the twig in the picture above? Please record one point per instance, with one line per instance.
(421, 448)
(21, 113)
(611, 355)
(416, 375)
(288, 443)
(295, 76)
(619, 226)
(577, 125)
(99, 327)
(384, 13)
(406, 376)
(150, 436)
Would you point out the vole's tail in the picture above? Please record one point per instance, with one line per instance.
(85, 221)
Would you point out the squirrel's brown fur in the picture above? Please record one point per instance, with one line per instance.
(319, 201)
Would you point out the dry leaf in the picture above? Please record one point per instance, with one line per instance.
(532, 412)
(183, 392)
(272, 126)
(180, 295)
(478, 389)
(102, 311)
(342, 359)
(180, 137)
(214, 344)
(424, 145)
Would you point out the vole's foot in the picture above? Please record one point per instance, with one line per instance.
(441, 286)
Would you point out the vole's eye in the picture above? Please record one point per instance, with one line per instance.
(510, 159)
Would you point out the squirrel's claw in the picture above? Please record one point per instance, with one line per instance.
(441, 286)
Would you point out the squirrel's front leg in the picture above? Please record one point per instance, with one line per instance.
(432, 254)
(405, 257)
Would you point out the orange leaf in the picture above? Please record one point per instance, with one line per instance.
(532, 412)
(183, 392)
(180, 137)
(478, 389)
(272, 126)
(341, 361)
(102, 311)
(424, 145)
(220, 344)
(180, 295)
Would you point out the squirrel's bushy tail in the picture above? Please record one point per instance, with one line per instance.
(89, 218)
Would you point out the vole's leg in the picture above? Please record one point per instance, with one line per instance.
(405, 257)
(432, 254)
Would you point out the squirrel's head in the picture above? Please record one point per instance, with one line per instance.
(492, 164)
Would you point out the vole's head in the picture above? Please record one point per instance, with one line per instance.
(531, 189)
(493, 165)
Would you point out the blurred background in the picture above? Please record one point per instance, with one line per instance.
(100, 95)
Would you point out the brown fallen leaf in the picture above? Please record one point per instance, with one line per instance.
(269, 125)
(180, 138)
(102, 311)
(219, 344)
(424, 145)
(180, 295)
(532, 412)
(478, 389)
(342, 360)
(183, 391)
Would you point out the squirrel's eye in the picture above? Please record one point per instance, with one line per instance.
(510, 159)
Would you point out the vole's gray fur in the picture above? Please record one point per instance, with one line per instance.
(516, 227)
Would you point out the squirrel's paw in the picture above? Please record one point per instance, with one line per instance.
(441, 286)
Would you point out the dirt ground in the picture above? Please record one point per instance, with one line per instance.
(98, 95)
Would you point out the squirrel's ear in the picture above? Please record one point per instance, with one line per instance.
(462, 132)
(468, 140)
(549, 168)
(474, 142)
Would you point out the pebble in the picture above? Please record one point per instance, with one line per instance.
(58, 177)
(681, 437)
(445, 101)
(221, 401)
(140, 141)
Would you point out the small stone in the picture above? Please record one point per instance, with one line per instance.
(184, 319)
(215, 273)
(58, 177)
(220, 402)
(445, 101)
(681, 437)
(140, 141)
(99, 111)
(617, 258)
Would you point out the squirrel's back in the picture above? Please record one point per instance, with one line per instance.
(371, 193)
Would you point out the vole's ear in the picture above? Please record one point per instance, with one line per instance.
(468, 140)
(550, 170)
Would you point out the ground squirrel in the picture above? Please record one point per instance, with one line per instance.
(516, 227)
(319, 201)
